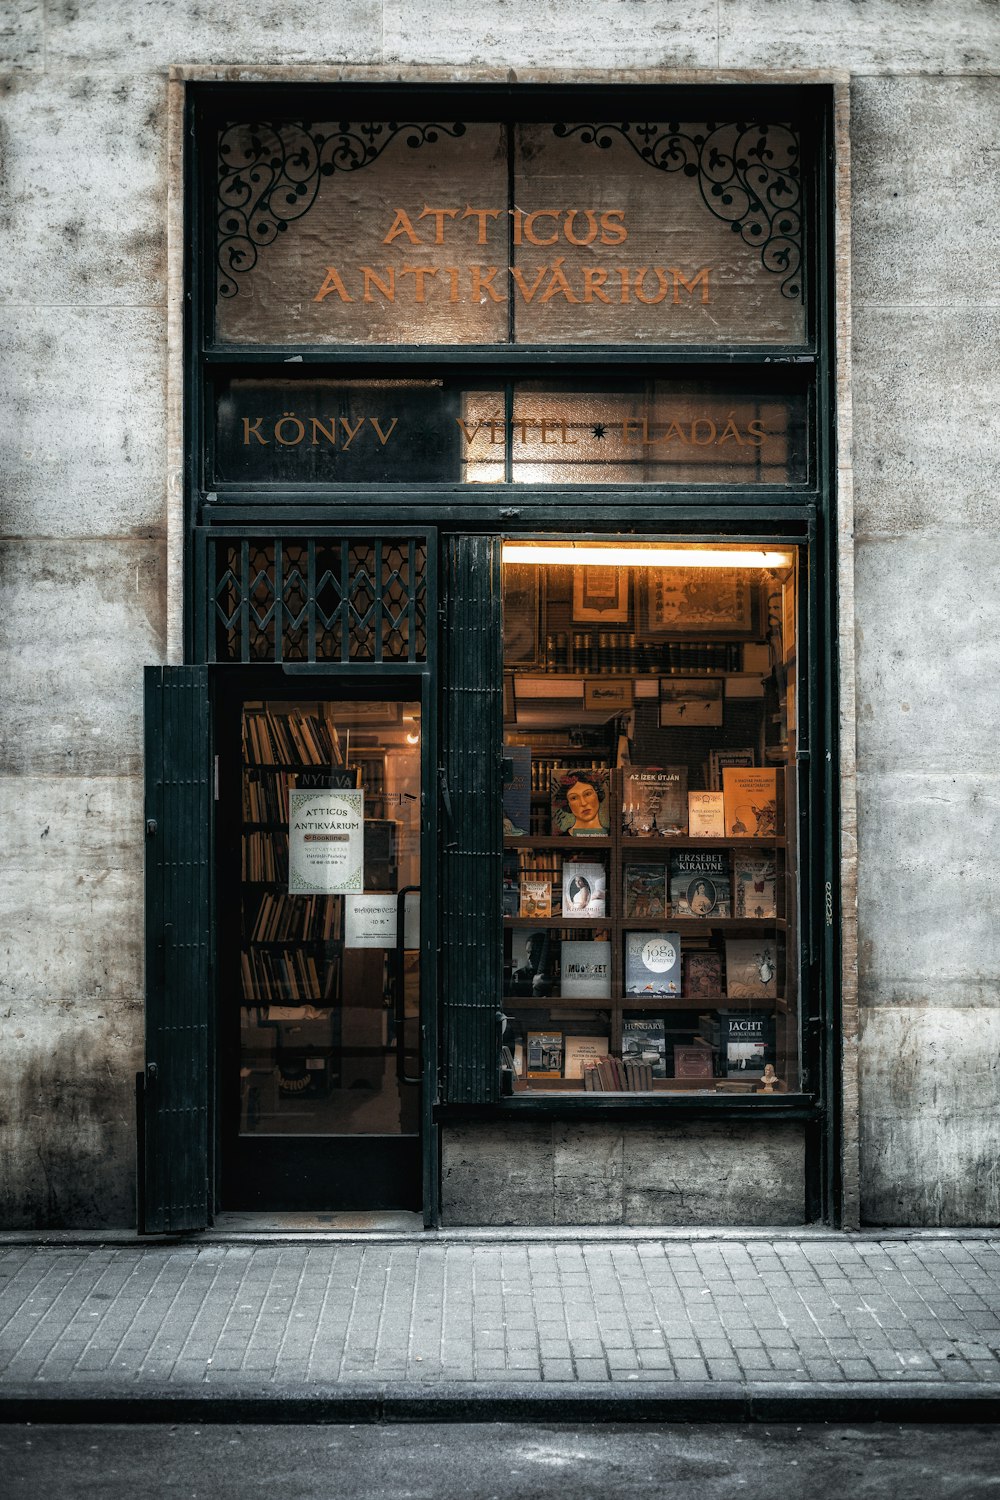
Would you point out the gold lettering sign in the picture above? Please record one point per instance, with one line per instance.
(405, 234)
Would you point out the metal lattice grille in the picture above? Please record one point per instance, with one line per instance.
(346, 599)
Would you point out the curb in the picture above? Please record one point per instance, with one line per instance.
(510, 1401)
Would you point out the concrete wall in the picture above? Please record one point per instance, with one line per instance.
(83, 484)
(679, 1175)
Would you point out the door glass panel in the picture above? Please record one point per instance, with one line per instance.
(330, 862)
(650, 915)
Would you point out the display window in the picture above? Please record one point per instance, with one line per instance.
(649, 818)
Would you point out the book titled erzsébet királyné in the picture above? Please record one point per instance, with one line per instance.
(699, 883)
(654, 801)
(652, 963)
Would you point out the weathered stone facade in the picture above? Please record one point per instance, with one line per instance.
(86, 471)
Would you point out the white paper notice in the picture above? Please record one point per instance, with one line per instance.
(371, 921)
(326, 845)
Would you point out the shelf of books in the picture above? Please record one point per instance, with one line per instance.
(291, 947)
(648, 926)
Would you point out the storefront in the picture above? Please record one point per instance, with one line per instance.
(492, 845)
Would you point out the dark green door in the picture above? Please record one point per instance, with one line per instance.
(319, 831)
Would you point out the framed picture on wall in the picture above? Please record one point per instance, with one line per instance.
(522, 615)
(600, 596)
(685, 603)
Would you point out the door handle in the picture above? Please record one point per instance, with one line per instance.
(400, 998)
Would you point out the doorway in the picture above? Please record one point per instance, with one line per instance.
(318, 860)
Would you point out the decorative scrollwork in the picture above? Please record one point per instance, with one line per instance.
(749, 177)
(270, 175)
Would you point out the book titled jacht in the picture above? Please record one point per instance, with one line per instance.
(585, 969)
(745, 1042)
(699, 883)
(751, 802)
(652, 963)
(644, 1039)
(654, 801)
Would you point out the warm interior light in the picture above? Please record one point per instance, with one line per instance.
(563, 554)
(413, 737)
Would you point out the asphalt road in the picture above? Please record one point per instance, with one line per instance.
(510, 1462)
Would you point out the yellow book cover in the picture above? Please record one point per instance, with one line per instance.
(750, 796)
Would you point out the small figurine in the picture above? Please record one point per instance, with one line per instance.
(770, 1079)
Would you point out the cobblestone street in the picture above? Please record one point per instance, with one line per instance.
(753, 1311)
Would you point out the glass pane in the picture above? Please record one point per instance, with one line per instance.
(304, 431)
(662, 432)
(427, 233)
(636, 233)
(650, 817)
(330, 837)
(383, 233)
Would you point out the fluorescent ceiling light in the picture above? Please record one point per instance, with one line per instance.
(562, 554)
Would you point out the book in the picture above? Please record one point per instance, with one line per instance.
(693, 1062)
(511, 884)
(745, 1042)
(536, 898)
(645, 890)
(706, 817)
(699, 883)
(584, 889)
(751, 969)
(654, 801)
(580, 801)
(531, 969)
(751, 802)
(517, 792)
(545, 1054)
(652, 963)
(688, 701)
(754, 886)
(718, 760)
(702, 974)
(581, 1052)
(644, 1039)
(585, 967)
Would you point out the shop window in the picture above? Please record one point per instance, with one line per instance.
(332, 598)
(650, 850)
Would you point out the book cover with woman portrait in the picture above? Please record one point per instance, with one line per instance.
(580, 801)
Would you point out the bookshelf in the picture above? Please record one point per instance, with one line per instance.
(684, 1013)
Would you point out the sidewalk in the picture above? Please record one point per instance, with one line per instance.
(486, 1326)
